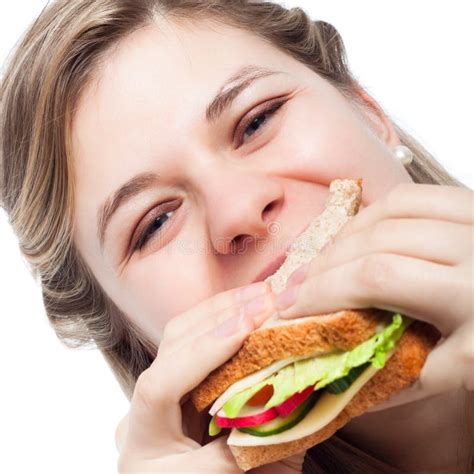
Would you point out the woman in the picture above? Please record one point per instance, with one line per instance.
(137, 90)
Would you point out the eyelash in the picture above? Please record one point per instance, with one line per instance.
(148, 232)
(270, 111)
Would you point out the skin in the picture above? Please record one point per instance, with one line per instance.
(145, 111)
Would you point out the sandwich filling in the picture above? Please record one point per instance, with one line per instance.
(284, 397)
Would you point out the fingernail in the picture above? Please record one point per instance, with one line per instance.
(299, 275)
(251, 291)
(286, 298)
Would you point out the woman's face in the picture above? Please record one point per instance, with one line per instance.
(220, 190)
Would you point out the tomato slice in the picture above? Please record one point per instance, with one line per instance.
(262, 396)
(251, 417)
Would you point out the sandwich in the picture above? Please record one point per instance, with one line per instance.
(294, 383)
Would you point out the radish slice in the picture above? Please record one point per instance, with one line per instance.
(285, 408)
(250, 418)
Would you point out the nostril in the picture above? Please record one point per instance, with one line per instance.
(241, 242)
(268, 207)
(271, 210)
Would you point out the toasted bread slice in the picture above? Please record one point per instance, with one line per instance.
(343, 330)
(400, 370)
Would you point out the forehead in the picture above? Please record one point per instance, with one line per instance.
(171, 62)
(164, 68)
(161, 73)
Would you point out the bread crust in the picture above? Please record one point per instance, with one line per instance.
(342, 330)
(401, 370)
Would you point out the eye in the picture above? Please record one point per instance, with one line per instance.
(156, 225)
(256, 121)
(152, 229)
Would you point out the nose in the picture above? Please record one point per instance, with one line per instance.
(241, 205)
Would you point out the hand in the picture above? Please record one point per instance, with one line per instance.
(291, 465)
(410, 252)
(151, 438)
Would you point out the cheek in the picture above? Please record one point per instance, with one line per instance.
(161, 286)
(320, 143)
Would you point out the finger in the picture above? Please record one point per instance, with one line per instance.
(423, 290)
(207, 321)
(208, 308)
(448, 367)
(408, 200)
(155, 413)
(215, 457)
(436, 241)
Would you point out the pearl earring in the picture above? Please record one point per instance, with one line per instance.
(403, 154)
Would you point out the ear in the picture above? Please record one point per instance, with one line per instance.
(376, 119)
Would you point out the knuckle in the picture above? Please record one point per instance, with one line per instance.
(403, 188)
(398, 194)
(156, 388)
(170, 330)
(152, 396)
(378, 234)
(144, 392)
(374, 273)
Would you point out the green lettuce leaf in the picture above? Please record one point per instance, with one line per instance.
(374, 350)
(214, 429)
(324, 369)
(233, 406)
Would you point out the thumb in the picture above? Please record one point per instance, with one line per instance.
(215, 456)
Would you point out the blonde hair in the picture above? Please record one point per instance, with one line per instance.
(42, 84)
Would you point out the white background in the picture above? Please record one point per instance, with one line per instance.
(60, 407)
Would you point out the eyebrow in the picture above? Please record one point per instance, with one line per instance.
(226, 95)
(125, 193)
(243, 78)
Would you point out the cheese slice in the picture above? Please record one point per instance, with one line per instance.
(326, 409)
(255, 378)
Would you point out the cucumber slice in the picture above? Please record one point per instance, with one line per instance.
(280, 424)
(342, 384)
